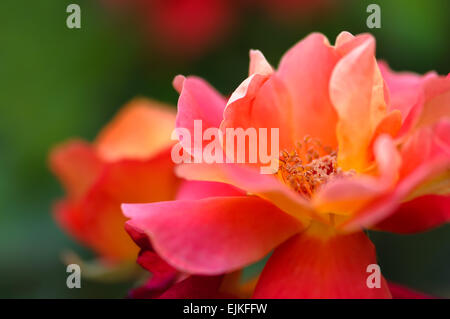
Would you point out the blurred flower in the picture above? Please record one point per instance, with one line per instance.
(290, 10)
(364, 148)
(188, 28)
(128, 162)
(182, 28)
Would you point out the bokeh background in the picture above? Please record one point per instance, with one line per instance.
(57, 83)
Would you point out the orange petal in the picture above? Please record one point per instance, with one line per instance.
(77, 166)
(140, 130)
(348, 195)
(357, 93)
(103, 229)
(97, 219)
(388, 160)
(69, 216)
(425, 170)
(389, 125)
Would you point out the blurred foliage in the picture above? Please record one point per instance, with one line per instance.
(57, 83)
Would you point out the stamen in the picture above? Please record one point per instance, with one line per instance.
(308, 166)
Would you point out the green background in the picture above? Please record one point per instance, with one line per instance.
(57, 83)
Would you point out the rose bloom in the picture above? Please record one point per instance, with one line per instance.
(363, 148)
(128, 162)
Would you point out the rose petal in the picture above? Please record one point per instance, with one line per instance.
(251, 181)
(259, 64)
(417, 215)
(100, 220)
(305, 70)
(198, 190)
(252, 101)
(141, 130)
(385, 205)
(437, 105)
(357, 93)
(197, 101)
(347, 195)
(77, 165)
(214, 235)
(321, 264)
(405, 88)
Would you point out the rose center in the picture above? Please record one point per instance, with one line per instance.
(308, 166)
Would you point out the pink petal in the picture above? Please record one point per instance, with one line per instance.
(306, 70)
(435, 85)
(423, 100)
(437, 104)
(253, 100)
(198, 190)
(197, 101)
(426, 160)
(405, 88)
(214, 235)
(250, 180)
(420, 214)
(426, 145)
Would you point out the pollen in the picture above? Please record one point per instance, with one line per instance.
(308, 166)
